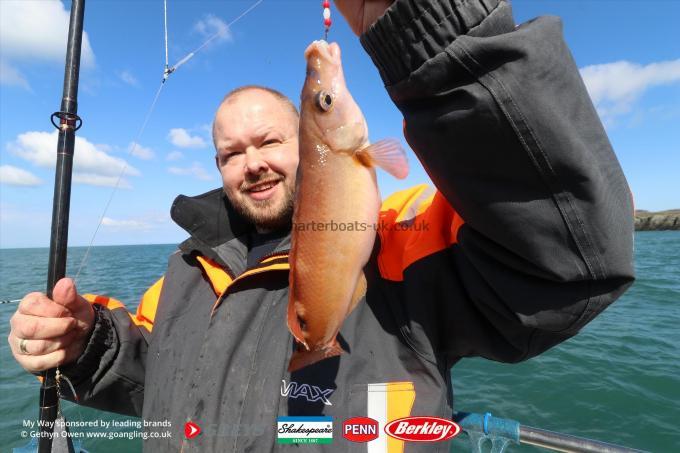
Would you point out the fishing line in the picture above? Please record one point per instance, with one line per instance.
(135, 144)
(59, 377)
(326, 18)
(216, 35)
(165, 28)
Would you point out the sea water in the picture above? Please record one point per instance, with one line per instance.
(617, 381)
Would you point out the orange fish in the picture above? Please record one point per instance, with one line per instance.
(336, 207)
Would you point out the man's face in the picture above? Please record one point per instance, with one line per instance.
(256, 140)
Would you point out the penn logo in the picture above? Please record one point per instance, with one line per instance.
(360, 429)
(422, 429)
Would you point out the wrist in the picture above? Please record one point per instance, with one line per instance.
(410, 33)
(373, 12)
(94, 345)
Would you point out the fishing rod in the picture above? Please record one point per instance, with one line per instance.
(502, 431)
(69, 123)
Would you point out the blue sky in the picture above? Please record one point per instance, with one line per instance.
(629, 53)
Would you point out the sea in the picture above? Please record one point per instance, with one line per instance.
(617, 381)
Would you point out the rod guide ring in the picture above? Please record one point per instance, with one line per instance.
(65, 118)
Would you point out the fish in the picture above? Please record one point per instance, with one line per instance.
(336, 208)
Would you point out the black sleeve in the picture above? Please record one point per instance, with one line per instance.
(501, 120)
(109, 375)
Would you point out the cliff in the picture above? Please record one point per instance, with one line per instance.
(657, 221)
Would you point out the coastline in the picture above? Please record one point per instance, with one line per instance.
(657, 221)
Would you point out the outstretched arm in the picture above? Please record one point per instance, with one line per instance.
(501, 120)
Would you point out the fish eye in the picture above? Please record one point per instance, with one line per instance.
(324, 100)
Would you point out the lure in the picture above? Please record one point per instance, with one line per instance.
(326, 17)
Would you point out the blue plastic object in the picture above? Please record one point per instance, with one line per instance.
(483, 428)
(488, 425)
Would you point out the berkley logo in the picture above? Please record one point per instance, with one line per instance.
(360, 429)
(422, 429)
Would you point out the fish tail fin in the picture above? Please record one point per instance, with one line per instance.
(302, 357)
(389, 155)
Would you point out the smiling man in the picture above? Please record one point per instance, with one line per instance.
(255, 134)
(529, 237)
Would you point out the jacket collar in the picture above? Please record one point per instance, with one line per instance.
(217, 231)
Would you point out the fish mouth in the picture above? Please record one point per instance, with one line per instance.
(262, 190)
(324, 51)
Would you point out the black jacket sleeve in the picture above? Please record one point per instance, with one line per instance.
(109, 375)
(501, 120)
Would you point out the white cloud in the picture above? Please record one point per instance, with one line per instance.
(104, 147)
(125, 224)
(145, 222)
(175, 155)
(182, 139)
(196, 170)
(9, 75)
(212, 25)
(141, 152)
(33, 30)
(91, 165)
(15, 176)
(101, 181)
(127, 77)
(614, 87)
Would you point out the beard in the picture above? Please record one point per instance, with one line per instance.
(267, 215)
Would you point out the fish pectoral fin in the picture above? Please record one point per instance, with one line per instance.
(302, 358)
(387, 154)
(359, 292)
(293, 320)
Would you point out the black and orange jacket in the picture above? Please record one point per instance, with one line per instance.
(527, 237)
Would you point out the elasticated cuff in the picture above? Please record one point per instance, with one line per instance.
(101, 340)
(413, 31)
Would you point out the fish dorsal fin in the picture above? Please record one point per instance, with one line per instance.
(387, 154)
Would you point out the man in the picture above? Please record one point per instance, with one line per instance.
(529, 236)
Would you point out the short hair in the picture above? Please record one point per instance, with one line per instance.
(285, 100)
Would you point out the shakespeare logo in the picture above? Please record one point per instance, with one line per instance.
(304, 430)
